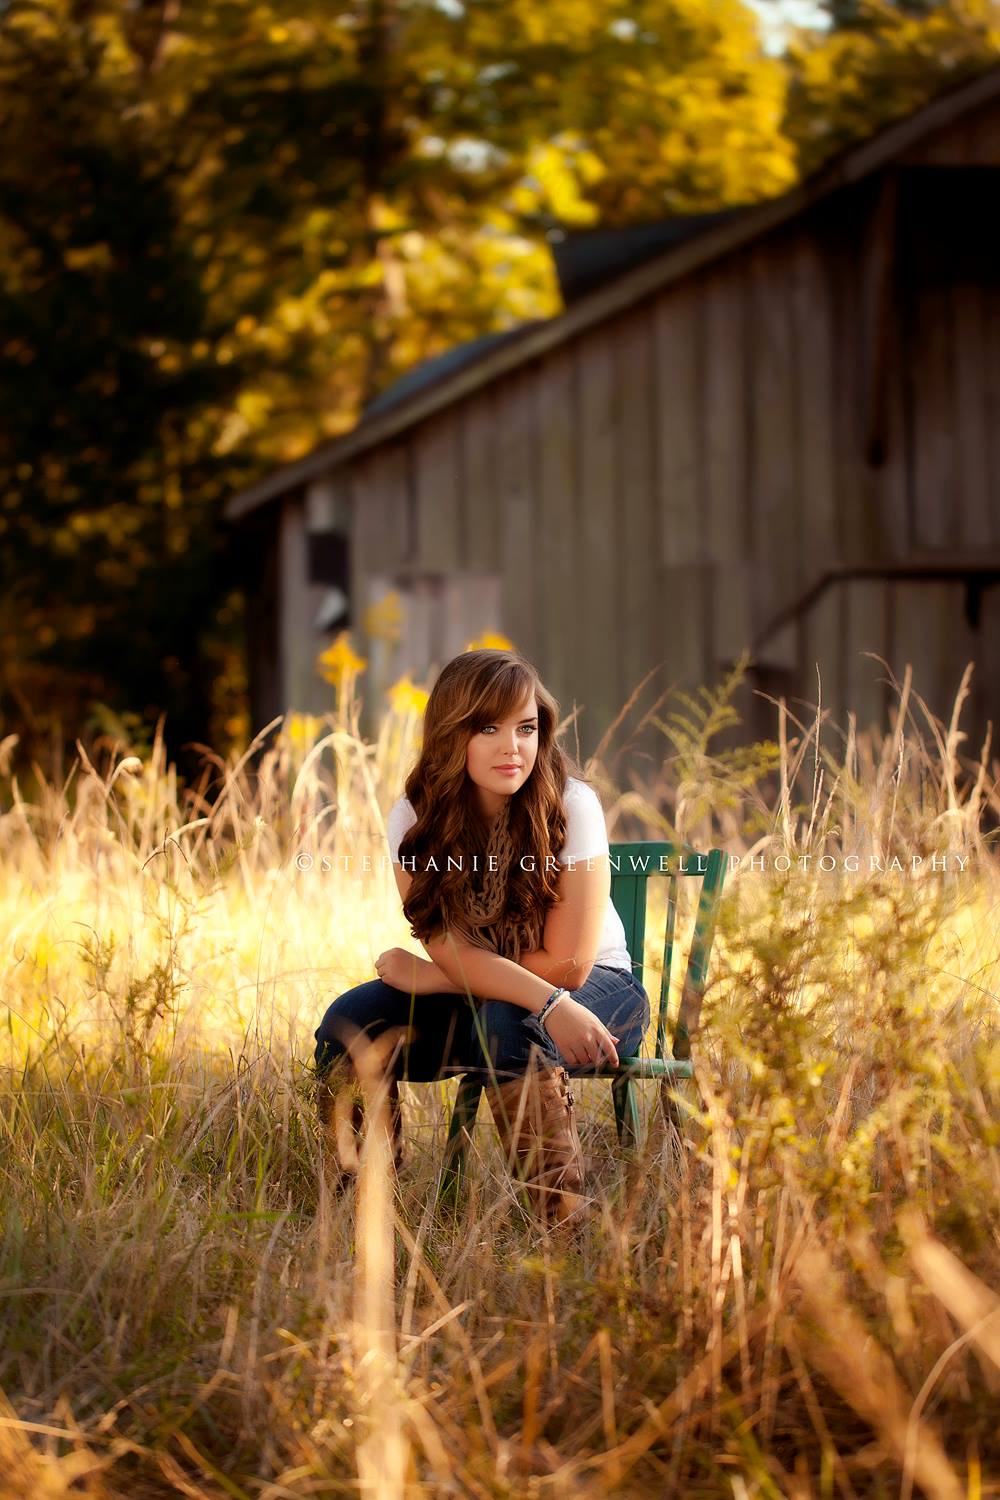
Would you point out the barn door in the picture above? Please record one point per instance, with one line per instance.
(949, 248)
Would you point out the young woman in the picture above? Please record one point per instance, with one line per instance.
(500, 854)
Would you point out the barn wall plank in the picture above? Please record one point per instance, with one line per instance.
(991, 385)
(638, 579)
(724, 429)
(302, 688)
(813, 335)
(381, 503)
(821, 663)
(597, 620)
(735, 583)
(437, 476)
(676, 316)
(971, 444)
(985, 652)
(892, 495)
(519, 561)
(775, 487)
(936, 484)
(478, 497)
(556, 462)
(867, 610)
(684, 625)
(928, 632)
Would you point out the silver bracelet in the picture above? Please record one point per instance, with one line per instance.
(550, 1004)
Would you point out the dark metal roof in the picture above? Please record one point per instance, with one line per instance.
(586, 259)
(439, 366)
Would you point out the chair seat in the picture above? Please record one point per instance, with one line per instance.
(638, 1067)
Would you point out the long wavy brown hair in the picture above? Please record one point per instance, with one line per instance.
(475, 688)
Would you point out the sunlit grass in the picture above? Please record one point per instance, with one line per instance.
(798, 1299)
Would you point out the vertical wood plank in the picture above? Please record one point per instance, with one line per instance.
(891, 483)
(928, 632)
(936, 490)
(734, 611)
(985, 137)
(775, 487)
(867, 614)
(813, 336)
(470, 606)
(557, 461)
(380, 499)
(971, 437)
(638, 578)
(302, 688)
(991, 325)
(516, 505)
(436, 474)
(986, 682)
(478, 499)
(684, 619)
(596, 622)
(821, 664)
(678, 413)
(724, 397)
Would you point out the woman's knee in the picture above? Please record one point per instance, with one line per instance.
(368, 1008)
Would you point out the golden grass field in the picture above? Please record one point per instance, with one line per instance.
(797, 1296)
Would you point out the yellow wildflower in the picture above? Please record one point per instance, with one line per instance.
(405, 697)
(303, 729)
(490, 641)
(384, 620)
(340, 661)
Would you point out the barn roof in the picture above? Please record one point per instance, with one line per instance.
(459, 357)
(602, 273)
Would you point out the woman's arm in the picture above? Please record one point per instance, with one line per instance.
(477, 971)
(573, 925)
(570, 939)
(439, 983)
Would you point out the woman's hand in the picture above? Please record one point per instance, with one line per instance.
(407, 972)
(581, 1037)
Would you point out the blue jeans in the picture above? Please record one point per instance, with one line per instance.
(492, 1038)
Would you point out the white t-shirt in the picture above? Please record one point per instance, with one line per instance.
(586, 838)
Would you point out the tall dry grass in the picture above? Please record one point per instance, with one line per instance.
(797, 1297)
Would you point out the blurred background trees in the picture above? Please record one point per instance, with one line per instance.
(225, 227)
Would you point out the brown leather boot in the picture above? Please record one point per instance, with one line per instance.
(341, 1109)
(537, 1125)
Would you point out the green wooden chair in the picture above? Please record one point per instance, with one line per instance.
(632, 867)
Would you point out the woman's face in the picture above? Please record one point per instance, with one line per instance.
(514, 742)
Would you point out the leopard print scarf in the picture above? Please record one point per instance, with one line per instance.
(484, 921)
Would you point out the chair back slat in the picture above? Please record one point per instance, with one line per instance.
(693, 989)
(632, 866)
(668, 959)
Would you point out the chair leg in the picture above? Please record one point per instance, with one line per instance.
(463, 1119)
(626, 1111)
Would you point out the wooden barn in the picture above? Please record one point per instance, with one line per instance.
(776, 427)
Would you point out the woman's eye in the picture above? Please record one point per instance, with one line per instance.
(488, 727)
